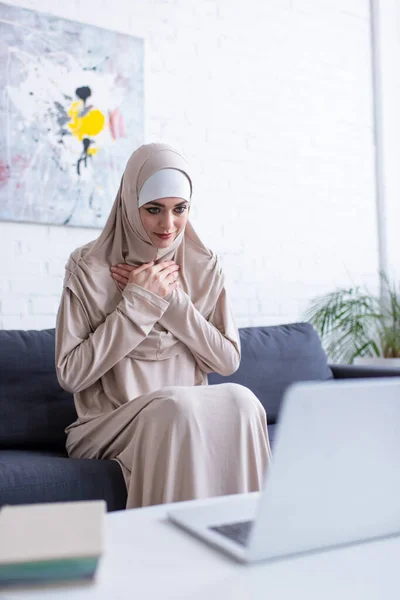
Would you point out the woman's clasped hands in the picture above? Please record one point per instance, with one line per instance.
(160, 279)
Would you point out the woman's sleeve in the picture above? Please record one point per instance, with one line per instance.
(83, 355)
(214, 342)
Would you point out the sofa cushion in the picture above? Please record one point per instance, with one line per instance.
(31, 477)
(272, 429)
(273, 358)
(34, 410)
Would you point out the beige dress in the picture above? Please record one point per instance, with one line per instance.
(148, 406)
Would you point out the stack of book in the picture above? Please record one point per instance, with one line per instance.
(41, 543)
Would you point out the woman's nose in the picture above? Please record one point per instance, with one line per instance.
(167, 221)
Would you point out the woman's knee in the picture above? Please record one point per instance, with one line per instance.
(173, 405)
(244, 399)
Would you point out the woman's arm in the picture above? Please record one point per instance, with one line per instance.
(215, 342)
(83, 356)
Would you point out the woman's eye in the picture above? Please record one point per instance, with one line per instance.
(153, 210)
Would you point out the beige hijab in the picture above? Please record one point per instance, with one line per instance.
(124, 240)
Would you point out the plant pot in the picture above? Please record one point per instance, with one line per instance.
(377, 361)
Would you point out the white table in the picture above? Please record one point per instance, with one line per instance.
(146, 558)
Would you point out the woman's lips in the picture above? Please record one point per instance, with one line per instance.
(164, 236)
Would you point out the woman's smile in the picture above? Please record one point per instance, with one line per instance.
(164, 236)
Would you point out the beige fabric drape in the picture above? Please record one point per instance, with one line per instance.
(137, 363)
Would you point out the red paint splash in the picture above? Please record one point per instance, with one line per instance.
(116, 123)
(4, 173)
(21, 161)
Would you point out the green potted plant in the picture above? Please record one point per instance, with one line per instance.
(357, 326)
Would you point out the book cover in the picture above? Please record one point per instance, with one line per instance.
(50, 542)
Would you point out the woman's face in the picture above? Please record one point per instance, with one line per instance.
(164, 220)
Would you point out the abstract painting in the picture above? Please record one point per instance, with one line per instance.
(71, 113)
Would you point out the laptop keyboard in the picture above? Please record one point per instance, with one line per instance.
(238, 532)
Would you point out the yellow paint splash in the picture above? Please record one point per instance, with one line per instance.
(89, 125)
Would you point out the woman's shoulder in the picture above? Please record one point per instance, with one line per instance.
(80, 263)
(79, 253)
(203, 255)
(203, 258)
(82, 256)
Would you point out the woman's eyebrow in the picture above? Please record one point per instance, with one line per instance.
(160, 205)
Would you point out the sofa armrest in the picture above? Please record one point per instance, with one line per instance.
(360, 371)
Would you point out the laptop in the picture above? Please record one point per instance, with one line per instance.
(334, 479)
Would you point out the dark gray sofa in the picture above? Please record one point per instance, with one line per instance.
(34, 410)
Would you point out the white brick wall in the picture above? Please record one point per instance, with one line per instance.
(389, 18)
(271, 102)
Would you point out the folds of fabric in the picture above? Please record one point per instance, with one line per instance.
(180, 443)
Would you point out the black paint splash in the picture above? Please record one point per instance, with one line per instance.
(84, 156)
(83, 93)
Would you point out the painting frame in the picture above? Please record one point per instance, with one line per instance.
(71, 113)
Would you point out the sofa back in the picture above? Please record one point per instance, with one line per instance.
(273, 358)
(34, 410)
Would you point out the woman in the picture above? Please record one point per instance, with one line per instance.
(135, 346)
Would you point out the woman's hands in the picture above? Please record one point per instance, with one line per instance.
(160, 279)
